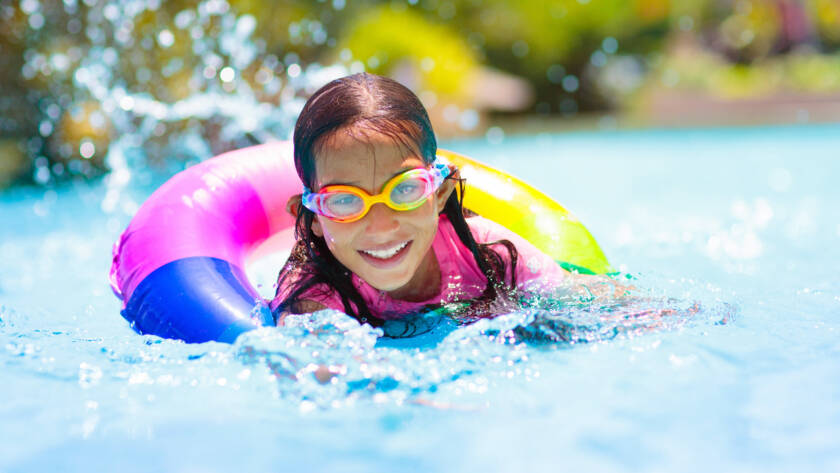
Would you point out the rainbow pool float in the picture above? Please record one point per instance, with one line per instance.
(179, 266)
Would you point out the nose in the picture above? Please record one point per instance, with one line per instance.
(381, 219)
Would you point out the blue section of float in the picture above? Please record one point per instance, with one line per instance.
(196, 299)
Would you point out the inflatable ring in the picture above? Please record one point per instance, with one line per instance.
(179, 266)
(530, 214)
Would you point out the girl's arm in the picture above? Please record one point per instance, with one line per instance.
(302, 307)
(598, 286)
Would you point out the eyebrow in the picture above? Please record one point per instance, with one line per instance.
(356, 183)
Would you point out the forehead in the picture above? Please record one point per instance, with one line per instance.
(359, 157)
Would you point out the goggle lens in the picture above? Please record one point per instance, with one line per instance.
(411, 189)
(342, 204)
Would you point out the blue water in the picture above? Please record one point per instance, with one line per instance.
(742, 223)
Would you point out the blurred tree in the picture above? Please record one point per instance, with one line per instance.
(555, 44)
(432, 57)
(827, 15)
(17, 123)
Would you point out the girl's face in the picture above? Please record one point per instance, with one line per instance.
(390, 249)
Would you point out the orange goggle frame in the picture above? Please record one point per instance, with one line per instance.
(405, 191)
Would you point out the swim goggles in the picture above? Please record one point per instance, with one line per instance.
(405, 191)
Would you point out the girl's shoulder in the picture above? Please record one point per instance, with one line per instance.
(531, 263)
(482, 229)
(488, 231)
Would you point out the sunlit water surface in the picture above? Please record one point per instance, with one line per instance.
(743, 224)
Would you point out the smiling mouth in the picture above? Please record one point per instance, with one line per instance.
(386, 253)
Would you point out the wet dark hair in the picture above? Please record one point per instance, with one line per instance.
(358, 104)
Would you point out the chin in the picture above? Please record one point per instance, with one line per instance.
(388, 284)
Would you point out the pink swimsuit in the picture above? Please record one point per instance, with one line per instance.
(461, 279)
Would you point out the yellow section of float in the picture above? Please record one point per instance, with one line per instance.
(530, 214)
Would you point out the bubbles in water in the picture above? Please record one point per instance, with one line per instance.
(89, 375)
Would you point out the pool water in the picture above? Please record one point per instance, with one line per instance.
(736, 231)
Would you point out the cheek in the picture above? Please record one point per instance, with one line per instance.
(432, 210)
(424, 218)
(337, 234)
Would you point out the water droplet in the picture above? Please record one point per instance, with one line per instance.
(468, 120)
(520, 48)
(598, 59)
(111, 12)
(87, 149)
(184, 18)
(45, 128)
(450, 113)
(42, 175)
(293, 70)
(555, 73)
(227, 74)
(686, 23)
(427, 64)
(166, 38)
(29, 6)
(609, 45)
(495, 135)
(36, 21)
(570, 83)
(127, 103)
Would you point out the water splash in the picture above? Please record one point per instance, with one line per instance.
(139, 83)
(329, 360)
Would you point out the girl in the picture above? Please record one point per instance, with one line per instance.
(380, 232)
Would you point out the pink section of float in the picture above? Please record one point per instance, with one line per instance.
(222, 208)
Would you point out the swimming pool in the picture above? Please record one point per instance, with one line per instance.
(744, 222)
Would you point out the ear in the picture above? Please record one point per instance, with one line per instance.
(293, 205)
(445, 189)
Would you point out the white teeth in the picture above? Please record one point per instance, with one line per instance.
(386, 253)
